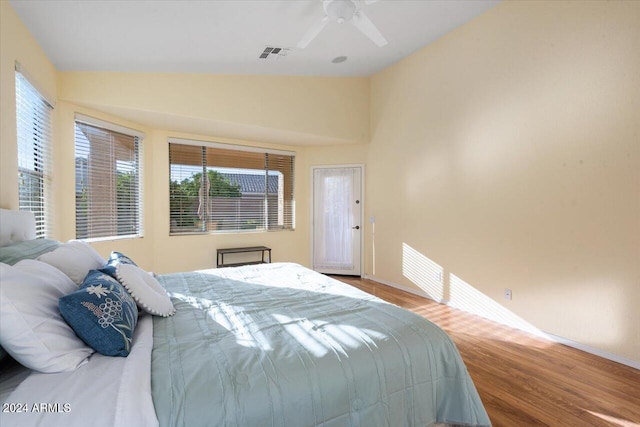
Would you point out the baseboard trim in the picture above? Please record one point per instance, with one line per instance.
(594, 351)
(555, 338)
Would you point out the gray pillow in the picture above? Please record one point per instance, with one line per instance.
(27, 249)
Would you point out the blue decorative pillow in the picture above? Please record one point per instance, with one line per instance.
(114, 259)
(102, 314)
(120, 257)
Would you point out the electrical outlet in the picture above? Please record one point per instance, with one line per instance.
(507, 294)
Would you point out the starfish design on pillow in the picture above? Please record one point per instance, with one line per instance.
(98, 290)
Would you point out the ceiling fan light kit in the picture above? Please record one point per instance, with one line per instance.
(339, 10)
(342, 11)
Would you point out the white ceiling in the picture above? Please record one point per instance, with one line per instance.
(227, 37)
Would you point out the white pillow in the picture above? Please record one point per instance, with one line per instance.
(75, 259)
(145, 289)
(31, 327)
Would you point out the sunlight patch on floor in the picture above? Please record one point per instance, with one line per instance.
(466, 297)
(429, 277)
(613, 420)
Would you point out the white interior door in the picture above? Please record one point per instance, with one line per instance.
(337, 215)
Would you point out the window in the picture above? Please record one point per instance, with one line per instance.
(33, 115)
(218, 187)
(108, 171)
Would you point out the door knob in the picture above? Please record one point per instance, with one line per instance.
(357, 227)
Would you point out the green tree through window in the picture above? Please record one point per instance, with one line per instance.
(184, 197)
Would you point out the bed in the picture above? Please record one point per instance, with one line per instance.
(262, 345)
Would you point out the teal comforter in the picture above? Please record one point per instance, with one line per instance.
(281, 345)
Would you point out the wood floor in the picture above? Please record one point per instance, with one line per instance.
(524, 380)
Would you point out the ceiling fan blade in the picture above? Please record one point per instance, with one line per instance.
(313, 32)
(364, 24)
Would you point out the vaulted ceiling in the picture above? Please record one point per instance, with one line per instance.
(228, 37)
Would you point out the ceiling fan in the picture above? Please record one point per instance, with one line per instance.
(343, 11)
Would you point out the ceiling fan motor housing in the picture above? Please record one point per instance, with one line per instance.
(340, 10)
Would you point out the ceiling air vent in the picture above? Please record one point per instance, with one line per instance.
(271, 52)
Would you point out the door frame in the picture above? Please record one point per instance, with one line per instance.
(361, 166)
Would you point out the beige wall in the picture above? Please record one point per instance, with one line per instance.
(183, 253)
(275, 109)
(141, 250)
(507, 155)
(255, 110)
(290, 246)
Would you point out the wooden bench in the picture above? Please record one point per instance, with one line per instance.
(222, 252)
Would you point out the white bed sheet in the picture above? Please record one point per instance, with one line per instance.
(107, 391)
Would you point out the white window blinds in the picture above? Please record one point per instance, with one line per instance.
(217, 187)
(33, 115)
(108, 177)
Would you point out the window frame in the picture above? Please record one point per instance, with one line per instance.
(284, 214)
(34, 143)
(136, 218)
